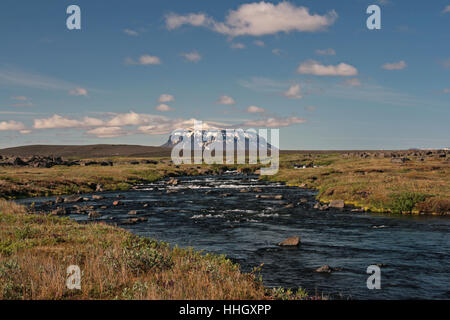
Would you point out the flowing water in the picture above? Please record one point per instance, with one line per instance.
(222, 214)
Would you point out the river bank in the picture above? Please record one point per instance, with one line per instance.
(416, 186)
(35, 251)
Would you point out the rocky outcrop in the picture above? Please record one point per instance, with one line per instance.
(400, 160)
(36, 161)
(417, 154)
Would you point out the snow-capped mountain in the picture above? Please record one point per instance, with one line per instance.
(206, 138)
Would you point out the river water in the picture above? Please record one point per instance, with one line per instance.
(222, 214)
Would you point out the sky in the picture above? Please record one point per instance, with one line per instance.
(137, 70)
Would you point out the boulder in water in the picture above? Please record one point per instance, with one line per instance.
(324, 269)
(290, 242)
(60, 211)
(94, 214)
(337, 204)
(73, 198)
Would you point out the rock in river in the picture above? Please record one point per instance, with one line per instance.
(270, 197)
(290, 242)
(94, 214)
(73, 198)
(324, 269)
(133, 221)
(338, 204)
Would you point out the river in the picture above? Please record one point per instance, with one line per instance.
(222, 214)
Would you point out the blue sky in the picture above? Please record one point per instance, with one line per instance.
(139, 69)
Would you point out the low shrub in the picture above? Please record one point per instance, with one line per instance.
(405, 202)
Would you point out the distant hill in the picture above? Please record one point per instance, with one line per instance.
(89, 151)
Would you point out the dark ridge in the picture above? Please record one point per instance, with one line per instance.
(89, 151)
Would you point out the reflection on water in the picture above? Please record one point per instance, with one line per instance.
(222, 215)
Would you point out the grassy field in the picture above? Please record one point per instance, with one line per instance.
(375, 184)
(19, 182)
(35, 251)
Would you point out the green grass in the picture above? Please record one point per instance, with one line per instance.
(35, 251)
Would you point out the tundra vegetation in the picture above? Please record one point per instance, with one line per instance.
(409, 182)
(35, 251)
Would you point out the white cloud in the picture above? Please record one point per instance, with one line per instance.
(257, 19)
(276, 51)
(24, 101)
(59, 122)
(166, 126)
(163, 108)
(255, 109)
(394, 66)
(19, 98)
(174, 21)
(446, 90)
(144, 124)
(11, 126)
(26, 131)
(144, 60)
(237, 45)
(259, 43)
(193, 56)
(92, 122)
(262, 84)
(164, 98)
(326, 52)
(131, 32)
(226, 100)
(128, 119)
(293, 92)
(315, 68)
(445, 63)
(310, 108)
(108, 132)
(19, 78)
(56, 121)
(274, 122)
(78, 92)
(446, 9)
(352, 82)
(25, 104)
